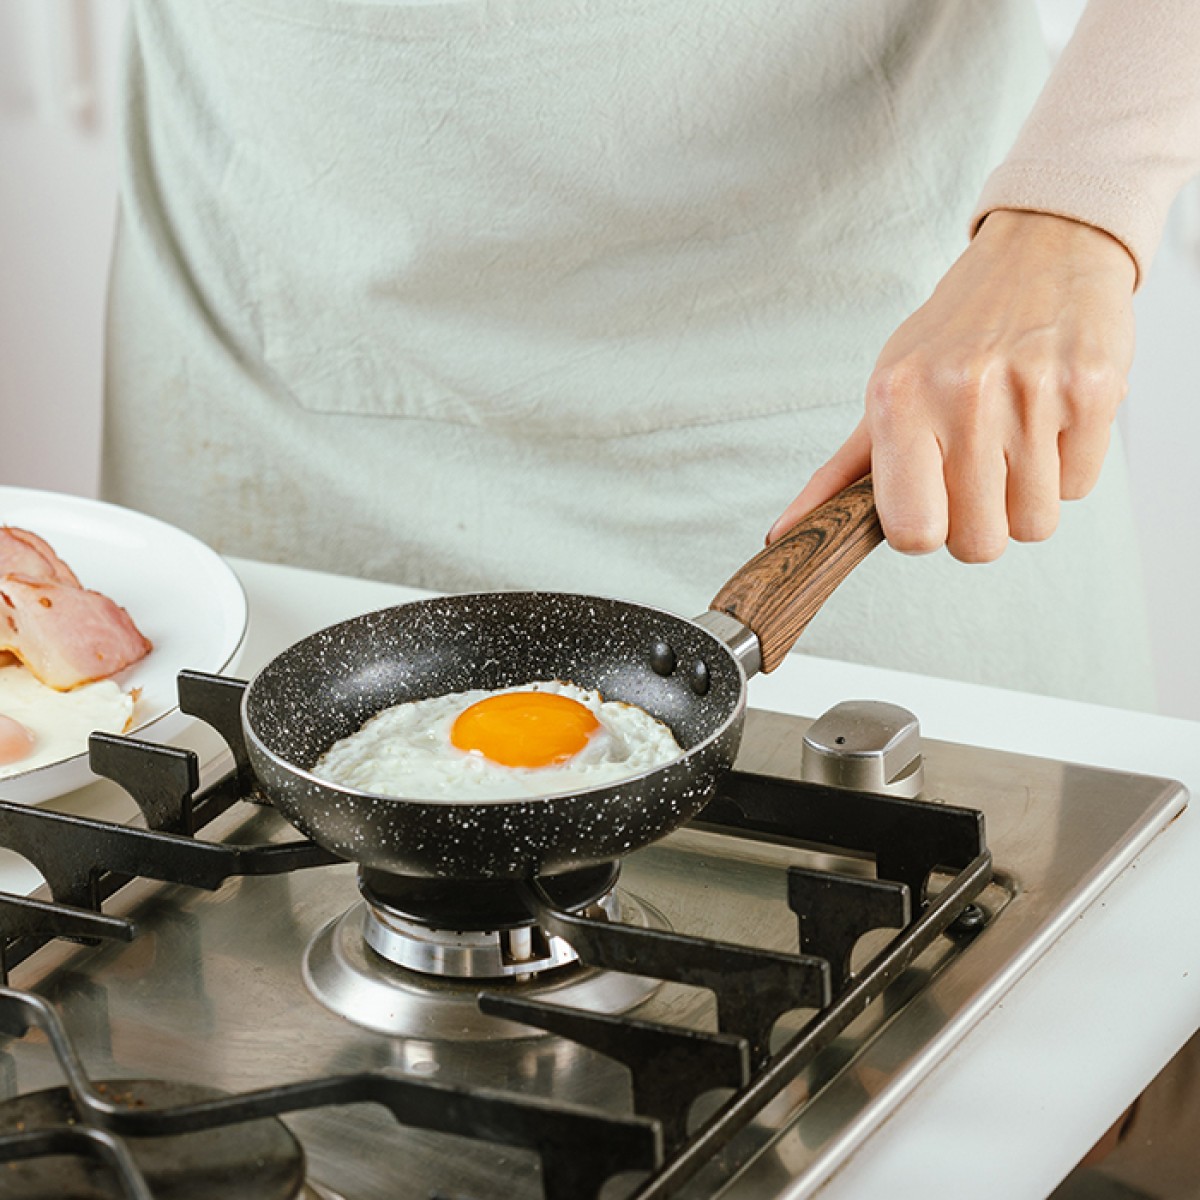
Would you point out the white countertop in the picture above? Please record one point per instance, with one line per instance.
(1028, 1091)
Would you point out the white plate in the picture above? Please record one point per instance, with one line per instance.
(180, 593)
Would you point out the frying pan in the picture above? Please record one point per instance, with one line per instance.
(689, 674)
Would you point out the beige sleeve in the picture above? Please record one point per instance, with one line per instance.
(1116, 131)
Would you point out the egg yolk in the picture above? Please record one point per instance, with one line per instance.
(525, 729)
(16, 742)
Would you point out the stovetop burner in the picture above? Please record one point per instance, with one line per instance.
(477, 929)
(811, 953)
(455, 904)
(370, 968)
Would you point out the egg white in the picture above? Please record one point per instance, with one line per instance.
(406, 751)
(60, 721)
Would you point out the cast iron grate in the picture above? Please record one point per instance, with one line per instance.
(85, 862)
(579, 1149)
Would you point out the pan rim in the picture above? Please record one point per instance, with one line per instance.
(306, 775)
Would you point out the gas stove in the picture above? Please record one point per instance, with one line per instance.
(206, 1004)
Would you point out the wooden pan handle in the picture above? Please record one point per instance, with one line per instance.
(781, 588)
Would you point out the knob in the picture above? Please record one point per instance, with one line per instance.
(867, 746)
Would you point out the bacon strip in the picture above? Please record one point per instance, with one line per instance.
(66, 636)
(24, 553)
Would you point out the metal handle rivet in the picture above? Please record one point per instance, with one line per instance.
(662, 659)
(698, 677)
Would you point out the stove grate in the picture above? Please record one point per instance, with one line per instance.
(785, 1066)
(753, 987)
(85, 862)
(579, 1149)
(908, 839)
(669, 1067)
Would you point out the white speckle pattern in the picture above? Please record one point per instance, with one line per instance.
(327, 685)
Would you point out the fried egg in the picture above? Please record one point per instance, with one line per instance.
(39, 725)
(536, 739)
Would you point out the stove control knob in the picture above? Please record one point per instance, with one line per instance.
(868, 746)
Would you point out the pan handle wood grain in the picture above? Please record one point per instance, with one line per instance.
(779, 591)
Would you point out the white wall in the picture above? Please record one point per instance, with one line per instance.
(1161, 420)
(57, 67)
(57, 201)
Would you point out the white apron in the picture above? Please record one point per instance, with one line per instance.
(570, 294)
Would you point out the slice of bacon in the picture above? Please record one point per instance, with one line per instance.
(66, 636)
(24, 553)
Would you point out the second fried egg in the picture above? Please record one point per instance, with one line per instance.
(536, 739)
(39, 725)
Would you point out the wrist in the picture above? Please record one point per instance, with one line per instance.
(1058, 236)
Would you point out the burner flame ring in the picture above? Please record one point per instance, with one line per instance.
(470, 954)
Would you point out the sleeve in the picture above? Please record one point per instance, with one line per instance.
(1115, 133)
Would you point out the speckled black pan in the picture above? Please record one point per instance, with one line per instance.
(325, 687)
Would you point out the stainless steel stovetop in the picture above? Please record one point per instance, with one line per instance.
(220, 989)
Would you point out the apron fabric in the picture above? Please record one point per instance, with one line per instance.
(571, 294)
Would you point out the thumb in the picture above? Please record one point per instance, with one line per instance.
(849, 464)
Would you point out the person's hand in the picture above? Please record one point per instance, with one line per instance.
(995, 399)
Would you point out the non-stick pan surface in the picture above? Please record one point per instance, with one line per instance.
(326, 686)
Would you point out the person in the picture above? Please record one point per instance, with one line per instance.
(574, 295)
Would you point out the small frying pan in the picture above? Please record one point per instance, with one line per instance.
(689, 674)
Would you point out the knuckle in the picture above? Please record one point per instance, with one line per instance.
(975, 394)
(892, 389)
(978, 373)
(1038, 385)
(1092, 388)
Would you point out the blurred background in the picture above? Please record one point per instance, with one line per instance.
(58, 73)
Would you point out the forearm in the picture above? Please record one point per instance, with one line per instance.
(1116, 131)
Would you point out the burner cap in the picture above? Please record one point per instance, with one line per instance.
(480, 904)
(254, 1160)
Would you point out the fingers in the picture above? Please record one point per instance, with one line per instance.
(994, 400)
(940, 469)
(1032, 493)
(989, 464)
(1081, 455)
(976, 484)
(1093, 396)
(851, 462)
(1032, 461)
(1061, 459)
(910, 487)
